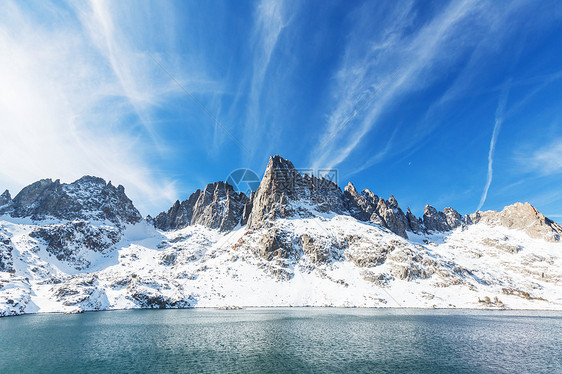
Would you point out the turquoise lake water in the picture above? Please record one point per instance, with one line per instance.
(299, 340)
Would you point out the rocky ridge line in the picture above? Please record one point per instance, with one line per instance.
(218, 206)
(284, 192)
(88, 198)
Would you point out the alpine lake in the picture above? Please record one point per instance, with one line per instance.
(284, 340)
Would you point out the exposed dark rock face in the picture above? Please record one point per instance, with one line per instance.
(369, 207)
(247, 209)
(415, 224)
(218, 206)
(274, 245)
(322, 252)
(157, 301)
(393, 217)
(283, 191)
(453, 218)
(89, 198)
(359, 206)
(446, 220)
(375, 256)
(5, 198)
(178, 216)
(71, 241)
(6, 258)
(433, 220)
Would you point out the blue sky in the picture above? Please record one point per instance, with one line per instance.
(448, 103)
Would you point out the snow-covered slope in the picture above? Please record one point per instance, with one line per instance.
(321, 261)
(297, 249)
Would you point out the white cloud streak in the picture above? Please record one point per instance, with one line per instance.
(394, 64)
(127, 63)
(499, 118)
(269, 23)
(72, 94)
(547, 160)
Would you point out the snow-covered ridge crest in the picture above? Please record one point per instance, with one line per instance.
(284, 192)
(296, 240)
(88, 198)
(524, 217)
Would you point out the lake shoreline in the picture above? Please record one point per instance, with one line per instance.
(238, 309)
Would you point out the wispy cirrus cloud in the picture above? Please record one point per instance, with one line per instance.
(546, 160)
(132, 67)
(376, 75)
(76, 99)
(270, 20)
(384, 69)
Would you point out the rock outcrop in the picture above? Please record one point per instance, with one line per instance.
(73, 242)
(6, 257)
(360, 207)
(523, 217)
(369, 207)
(284, 192)
(89, 198)
(5, 198)
(415, 224)
(218, 206)
(446, 220)
(393, 217)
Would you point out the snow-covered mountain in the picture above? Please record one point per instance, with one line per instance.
(296, 241)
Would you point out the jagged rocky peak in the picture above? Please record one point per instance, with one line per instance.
(360, 206)
(5, 198)
(453, 218)
(392, 202)
(523, 217)
(88, 198)
(446, 220)
(350, 189)
(218, 206)
(392, 216)
(415, 224)
(369, 207)
(284, 192)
